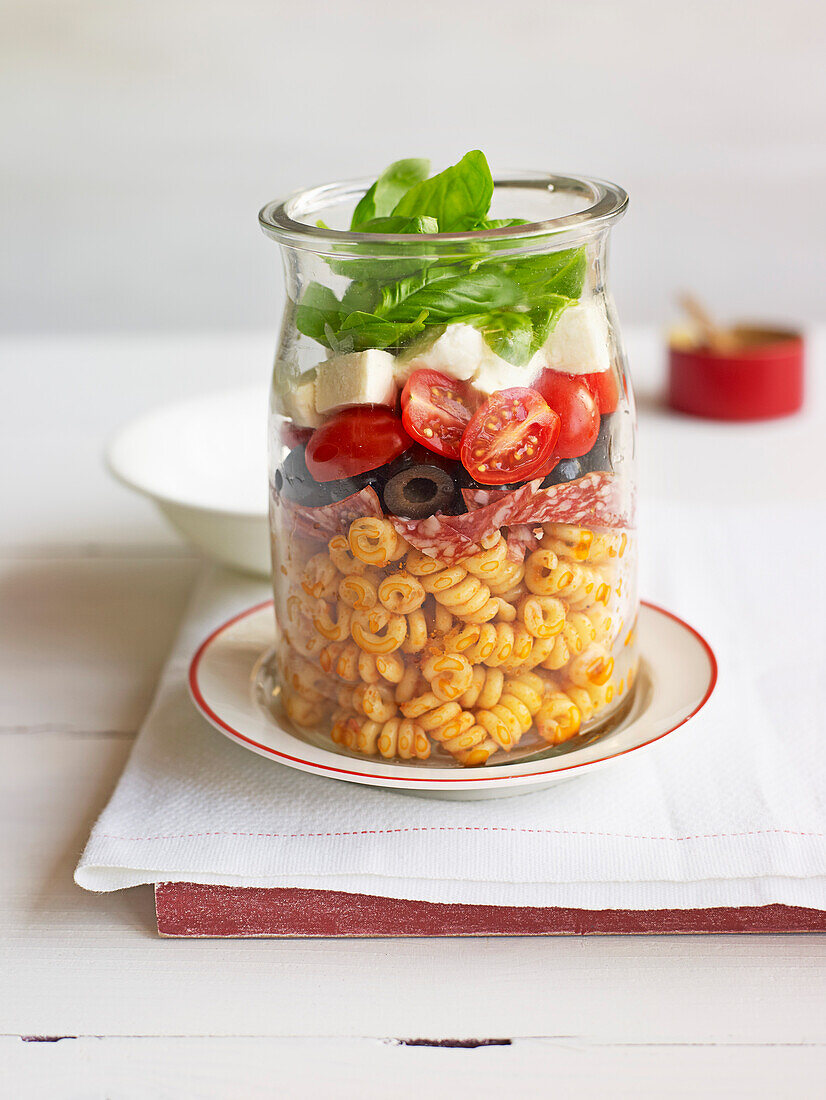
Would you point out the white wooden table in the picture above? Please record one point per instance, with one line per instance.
(93, 1003)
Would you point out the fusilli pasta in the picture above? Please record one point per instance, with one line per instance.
(399, 651)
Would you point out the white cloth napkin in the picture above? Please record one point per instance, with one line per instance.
(729, 810)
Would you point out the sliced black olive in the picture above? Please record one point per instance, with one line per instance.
(599, 456)
(295, 481)
(568, 469)
(419, 491)
(416, 455)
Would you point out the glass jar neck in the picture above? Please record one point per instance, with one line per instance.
(554, 212)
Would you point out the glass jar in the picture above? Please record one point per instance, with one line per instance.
(451, 440)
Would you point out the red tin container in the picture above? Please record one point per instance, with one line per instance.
(757, 377)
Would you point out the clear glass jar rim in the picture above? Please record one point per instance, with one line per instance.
(278, 218)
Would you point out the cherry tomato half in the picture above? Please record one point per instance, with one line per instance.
(354, 440)
(510, 438)
(603, 385)
(577, 409)
(436, 409)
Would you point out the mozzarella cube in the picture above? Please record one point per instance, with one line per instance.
(302, 403)
(579, 342)
(458, 352)
(495, 374)
(297, 401)
(359, 378)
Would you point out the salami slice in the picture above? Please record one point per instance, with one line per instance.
(329, 519)
(451, 538)
(478, 498)
(435, 538)
(522, 539)
(590, 501)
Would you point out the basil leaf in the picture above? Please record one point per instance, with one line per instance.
(461, 192)
(397, 223)
(510, 335)
(318, 313)
(515, 302)
(477, 225)
(570, 279)
(360, 298)
(393, 267)
(516, 337)
(450, 297)
(545, 317)
(394, 295)
(363, 330)
(552, 273)
(388, 189)
(501, 223)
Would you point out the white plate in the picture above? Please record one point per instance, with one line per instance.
(677, 675)
(204, 463)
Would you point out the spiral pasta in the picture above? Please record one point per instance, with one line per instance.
(334, 630)
(320, 577)
(449, 675)
(375, 701)
(483, 643)
(302, 711)
(343, 558)
(485, 688)
(558, 719)
(462, 594)
(593, 667)
(589, 698)
(416, 638)
(304, 677)
(374, 541)
(358, 592)
(378, 631)
(488, 563)
(401, 593)
(394, 738)
(512, 716)
(577, 632)
(542, 616)
(401, 654)
(579, 585)
(580, 544)
(342, 658)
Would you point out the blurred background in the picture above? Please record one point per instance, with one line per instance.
(141, 138)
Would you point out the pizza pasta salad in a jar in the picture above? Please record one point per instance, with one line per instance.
(451, 467)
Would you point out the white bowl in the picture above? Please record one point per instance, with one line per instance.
(204, 463)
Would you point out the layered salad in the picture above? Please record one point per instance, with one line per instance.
(451, 486)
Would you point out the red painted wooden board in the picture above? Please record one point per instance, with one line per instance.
(188, 909)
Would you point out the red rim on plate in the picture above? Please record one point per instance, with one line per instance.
(209, 713)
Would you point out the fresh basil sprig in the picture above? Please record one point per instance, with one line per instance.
(448, 294)
(515, 302)
(391, 186)
(458, 198)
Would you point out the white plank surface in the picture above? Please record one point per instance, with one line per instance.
(133, 1069)
(90, 634)
(91, 965)
(91, 589)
